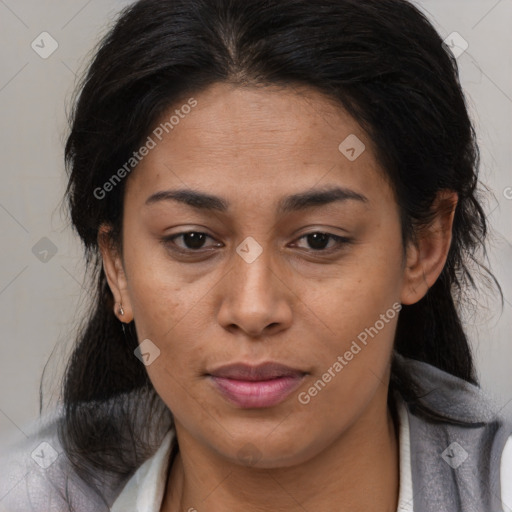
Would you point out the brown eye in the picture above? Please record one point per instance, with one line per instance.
(192, 240)
(319, 241)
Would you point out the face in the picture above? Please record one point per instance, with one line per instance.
(297, 260)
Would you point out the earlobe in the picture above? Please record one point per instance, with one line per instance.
(427, 256)
(114, 272)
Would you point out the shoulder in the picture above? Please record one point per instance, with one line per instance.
(37, 475)
(28, 467)
(450, 399)
(460, 442)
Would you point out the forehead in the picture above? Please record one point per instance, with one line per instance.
(247, 138)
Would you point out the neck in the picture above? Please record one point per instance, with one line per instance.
(358, 472)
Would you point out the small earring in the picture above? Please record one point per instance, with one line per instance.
(121, 310)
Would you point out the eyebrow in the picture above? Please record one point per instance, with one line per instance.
(292, 203)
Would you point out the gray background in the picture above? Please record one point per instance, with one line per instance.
(41, 302)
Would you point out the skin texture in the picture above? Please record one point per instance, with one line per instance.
(293, 304)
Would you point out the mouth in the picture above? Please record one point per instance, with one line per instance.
(264, 385)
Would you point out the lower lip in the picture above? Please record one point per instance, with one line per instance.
(254, 394)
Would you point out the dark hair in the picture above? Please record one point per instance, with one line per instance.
(379, 59)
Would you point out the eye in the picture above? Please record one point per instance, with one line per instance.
(319, 241)
(193, 241)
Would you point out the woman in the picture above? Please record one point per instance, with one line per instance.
(278, 203)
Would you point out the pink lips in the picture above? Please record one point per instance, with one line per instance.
(265, 385)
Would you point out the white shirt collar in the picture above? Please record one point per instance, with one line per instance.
(145, 490)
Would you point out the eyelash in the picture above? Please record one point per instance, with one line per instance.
(340, 240)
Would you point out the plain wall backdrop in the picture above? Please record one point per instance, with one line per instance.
(42, 294)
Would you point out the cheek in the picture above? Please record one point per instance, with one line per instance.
(158, 295)
(359, 290)
(359, 307)
(169, 310)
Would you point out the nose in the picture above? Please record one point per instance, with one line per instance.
(254, 298)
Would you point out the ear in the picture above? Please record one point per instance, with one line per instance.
(114, 271)
(426, 256)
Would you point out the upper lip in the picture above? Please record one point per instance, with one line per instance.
(264, 371)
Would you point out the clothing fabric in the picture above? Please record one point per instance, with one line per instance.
(145, 490)
(460, 464)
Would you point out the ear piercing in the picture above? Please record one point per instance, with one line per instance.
(121, 310)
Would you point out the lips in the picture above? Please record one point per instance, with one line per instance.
(264, 385)
(264, 371)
